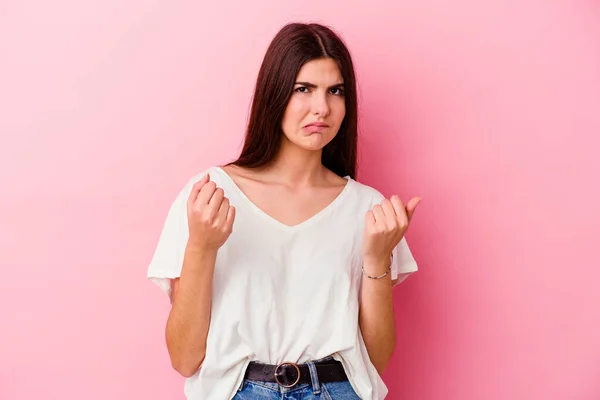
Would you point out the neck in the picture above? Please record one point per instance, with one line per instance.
(295, 166)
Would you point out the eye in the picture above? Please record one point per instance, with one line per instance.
(302, 89)
(337, 91)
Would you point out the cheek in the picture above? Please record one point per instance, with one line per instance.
(295, 111)
(340, 111)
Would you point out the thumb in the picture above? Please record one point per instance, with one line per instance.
(412, 206)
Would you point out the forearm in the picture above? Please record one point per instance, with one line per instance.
(189, 319)
(376, 316)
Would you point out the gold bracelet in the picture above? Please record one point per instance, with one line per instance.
(376, 277)
(380, 276)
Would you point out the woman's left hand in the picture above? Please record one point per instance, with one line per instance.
(385, 226)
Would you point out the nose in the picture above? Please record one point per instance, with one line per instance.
(320, 105)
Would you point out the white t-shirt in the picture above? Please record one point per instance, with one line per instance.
(280, 293)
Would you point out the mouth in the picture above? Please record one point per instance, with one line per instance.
(317, 125)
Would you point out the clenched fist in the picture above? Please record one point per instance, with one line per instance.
(210, 217)
(385, 226)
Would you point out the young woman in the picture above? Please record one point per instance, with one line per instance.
(280, 265)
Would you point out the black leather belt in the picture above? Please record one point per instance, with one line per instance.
(289, 374)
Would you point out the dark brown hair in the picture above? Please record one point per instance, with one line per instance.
(293, 46)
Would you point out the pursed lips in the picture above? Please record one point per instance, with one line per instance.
(317, 125)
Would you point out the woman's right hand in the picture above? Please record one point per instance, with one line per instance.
(210, 217)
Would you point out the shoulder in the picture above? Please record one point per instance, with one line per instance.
(368, 193)
(215, 175)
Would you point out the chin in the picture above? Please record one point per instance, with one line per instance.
(312, 148)
(313, 145)
(309, 142)
(314, 141)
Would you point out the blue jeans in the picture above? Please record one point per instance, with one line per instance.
(256, 390)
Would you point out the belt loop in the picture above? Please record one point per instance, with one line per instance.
(314, 377)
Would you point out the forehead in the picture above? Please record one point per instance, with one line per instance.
(322, 71)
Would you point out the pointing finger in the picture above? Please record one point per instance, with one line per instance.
(399, 207)
(196, 189)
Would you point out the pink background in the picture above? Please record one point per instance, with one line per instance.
(488, 110)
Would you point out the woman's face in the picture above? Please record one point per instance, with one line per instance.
(317, 106)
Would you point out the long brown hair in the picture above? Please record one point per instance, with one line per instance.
(293, 46)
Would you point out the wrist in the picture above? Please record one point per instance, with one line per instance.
(201, 250)
(376, 266)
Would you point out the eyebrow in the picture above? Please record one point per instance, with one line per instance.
(312, 85)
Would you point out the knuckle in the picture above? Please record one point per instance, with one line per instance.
(205, 218)
(211, 185)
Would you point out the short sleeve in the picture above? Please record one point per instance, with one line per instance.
(403, 262)
(167, 260)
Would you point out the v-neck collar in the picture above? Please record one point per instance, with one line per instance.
(314, 218)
